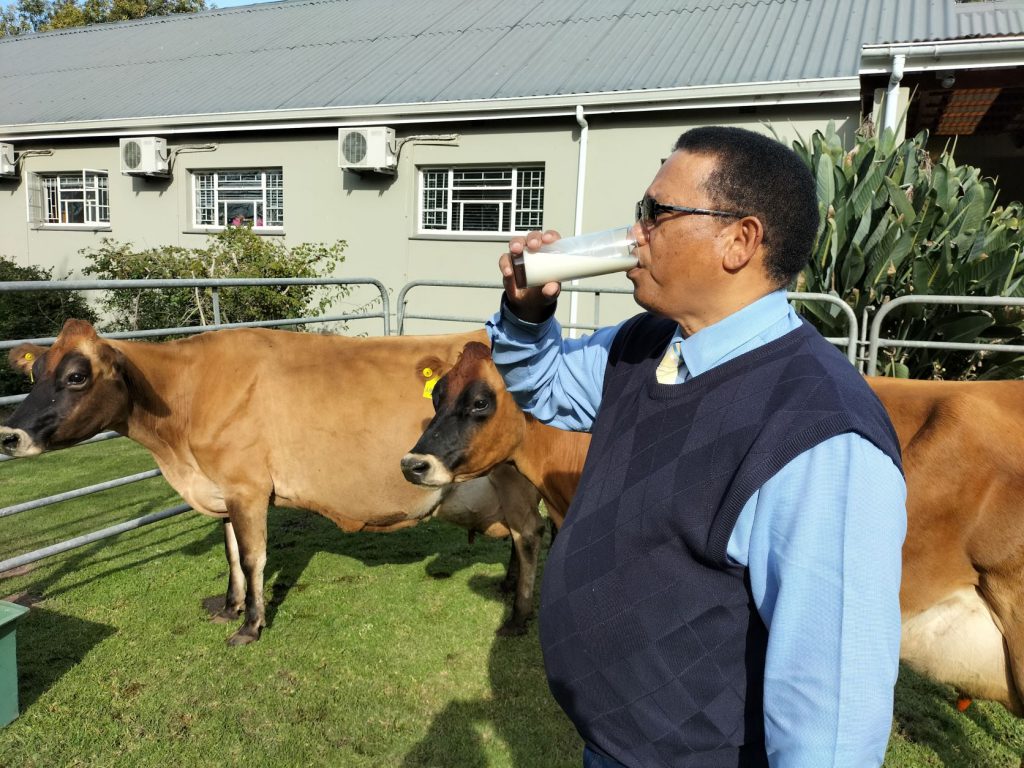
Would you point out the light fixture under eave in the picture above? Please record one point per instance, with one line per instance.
(965, 109)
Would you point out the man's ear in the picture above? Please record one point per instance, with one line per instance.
(745, 239)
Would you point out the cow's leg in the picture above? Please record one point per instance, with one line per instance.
(235, 598)
(527, 546)
(511, 580)
(249, 522)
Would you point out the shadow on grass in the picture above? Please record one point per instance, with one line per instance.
(50, 644)
(519, 712)
(294, 537)
(41, 586)
(926, 714)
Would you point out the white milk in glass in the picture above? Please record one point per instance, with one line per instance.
(595, 253)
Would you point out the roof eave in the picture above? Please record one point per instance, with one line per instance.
(808, 91)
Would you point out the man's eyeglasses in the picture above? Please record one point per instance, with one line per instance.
(647, 211)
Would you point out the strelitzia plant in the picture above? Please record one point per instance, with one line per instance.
(895, 221)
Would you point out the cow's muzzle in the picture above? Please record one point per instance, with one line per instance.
(16, 442)
(424, 469)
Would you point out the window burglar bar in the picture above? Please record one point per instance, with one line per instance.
(79, 198)
(499, 200)
(247, 197)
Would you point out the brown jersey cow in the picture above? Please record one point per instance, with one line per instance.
(963, 454)
(239, 419)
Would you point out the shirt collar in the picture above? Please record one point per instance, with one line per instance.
(732, 335)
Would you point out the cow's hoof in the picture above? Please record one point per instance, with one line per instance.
(244, 636)
(511, 629)
(226, 616)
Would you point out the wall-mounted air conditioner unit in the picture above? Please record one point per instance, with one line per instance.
(145, 156)
(367, 149)
(8, 167)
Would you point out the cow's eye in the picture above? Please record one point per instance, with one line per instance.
(76, 379)
(480, 405)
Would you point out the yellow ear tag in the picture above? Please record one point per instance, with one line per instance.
(428, 386)
(28, 358)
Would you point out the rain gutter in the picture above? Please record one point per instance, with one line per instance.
(949, 54)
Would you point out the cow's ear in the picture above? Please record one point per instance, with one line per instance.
(431, 367)
(24, 356)
(74, 327)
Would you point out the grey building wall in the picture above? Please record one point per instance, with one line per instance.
(377, 214)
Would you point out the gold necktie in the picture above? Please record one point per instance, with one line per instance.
(668, 368)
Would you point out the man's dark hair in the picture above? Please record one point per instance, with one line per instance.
(761, 177)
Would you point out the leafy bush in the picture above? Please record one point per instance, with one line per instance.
(32, 314)
(895, 222)
(232, 253)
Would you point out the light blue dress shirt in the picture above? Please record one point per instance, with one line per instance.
(822, 539)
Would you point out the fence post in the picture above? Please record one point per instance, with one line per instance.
(216, 305)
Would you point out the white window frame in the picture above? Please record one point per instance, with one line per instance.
(215, 213)
(57, 195)
(517, 201)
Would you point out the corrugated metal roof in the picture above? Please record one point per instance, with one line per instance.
(307, 54)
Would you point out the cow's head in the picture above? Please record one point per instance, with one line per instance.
(78, 390)
(477, 425)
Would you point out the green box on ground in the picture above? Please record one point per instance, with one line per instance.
(9, 615)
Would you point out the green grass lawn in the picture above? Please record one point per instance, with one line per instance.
(380, 649)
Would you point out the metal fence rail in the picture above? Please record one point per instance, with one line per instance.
(79, 492)
(89, 538)
(875, 342)
(849, 341)
(214, 285)
(403, 314)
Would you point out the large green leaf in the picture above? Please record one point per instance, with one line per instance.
(825, 179)
(970, 209)
(898, 198)
(866, 189)
(988, 275)
(877, 240)
(903, 220)
(860, 234)
(852, 268)
(940, 184)
(964, 327)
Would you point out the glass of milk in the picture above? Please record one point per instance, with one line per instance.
(594, 253)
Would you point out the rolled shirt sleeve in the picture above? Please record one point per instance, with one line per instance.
(556, 380)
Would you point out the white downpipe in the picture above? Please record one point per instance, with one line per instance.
(892, 93)
(581, 177)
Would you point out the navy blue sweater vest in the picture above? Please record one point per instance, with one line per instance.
(652, 642)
